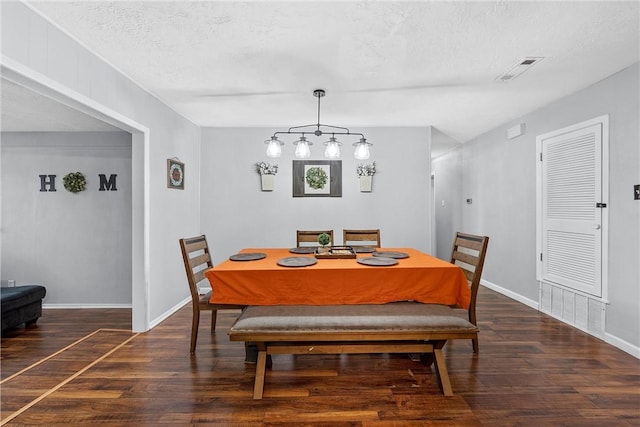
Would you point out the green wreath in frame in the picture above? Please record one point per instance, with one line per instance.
(316, 177)
(74, 182)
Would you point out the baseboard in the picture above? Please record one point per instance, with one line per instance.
(155, 322)
(514, 296)
(80, 306)
(623, 345)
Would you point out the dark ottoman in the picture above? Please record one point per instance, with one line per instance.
(21, 304)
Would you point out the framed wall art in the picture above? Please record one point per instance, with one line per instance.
(175, 174)
(317, 178)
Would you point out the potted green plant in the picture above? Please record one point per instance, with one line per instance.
(323, 241)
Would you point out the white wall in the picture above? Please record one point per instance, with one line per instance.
(166, 215)
(499, 174)
(77, 245)
(236, 214)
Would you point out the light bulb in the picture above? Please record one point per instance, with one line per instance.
(274, 147)
(362, 150)
(333, 149)
(302, 148)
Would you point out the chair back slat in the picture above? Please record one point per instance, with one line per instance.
(200, 260)
(195, 243)
(470, 241)
(311, 236)
(466, 258)
(199, 276)
(362, 237)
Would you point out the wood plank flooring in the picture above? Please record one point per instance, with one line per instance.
(531, 371)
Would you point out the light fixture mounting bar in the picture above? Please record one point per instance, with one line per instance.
(318, 93)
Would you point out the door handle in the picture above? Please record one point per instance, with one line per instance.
(596, 226)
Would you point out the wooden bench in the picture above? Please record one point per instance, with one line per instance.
(402, 327)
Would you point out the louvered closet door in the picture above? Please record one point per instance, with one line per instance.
(571, 222)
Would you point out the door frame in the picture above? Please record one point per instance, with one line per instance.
(140, 263)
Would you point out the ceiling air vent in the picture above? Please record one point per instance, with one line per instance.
(518, 68)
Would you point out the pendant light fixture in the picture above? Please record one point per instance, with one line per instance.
(333, 148)
(303, 150)
(274, 147)
(362, 149)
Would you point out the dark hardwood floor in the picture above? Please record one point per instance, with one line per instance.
(531, 371)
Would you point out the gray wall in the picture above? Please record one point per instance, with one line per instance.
(77, 245)
(499, 174)
(236, 214)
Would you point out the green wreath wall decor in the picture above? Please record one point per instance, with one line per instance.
(316, 178)
(74, 182)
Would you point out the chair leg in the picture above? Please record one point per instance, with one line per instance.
(214, 317)
(194, 330)
(474, 342)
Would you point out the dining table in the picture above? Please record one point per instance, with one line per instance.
(259, 276)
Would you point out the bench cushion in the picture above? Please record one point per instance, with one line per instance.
(400, 316)
(20, 296)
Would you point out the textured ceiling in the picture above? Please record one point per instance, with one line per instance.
(381, 63)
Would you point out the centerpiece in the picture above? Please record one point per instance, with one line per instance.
(332, 251)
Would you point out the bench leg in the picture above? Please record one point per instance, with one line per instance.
(441, 369)
(261, 366)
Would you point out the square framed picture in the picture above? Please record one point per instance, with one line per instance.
(317, 178)
(175, 174)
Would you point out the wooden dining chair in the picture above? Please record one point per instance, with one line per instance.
(468, 253)
(311, 236)
(197, 259)
(362, 237)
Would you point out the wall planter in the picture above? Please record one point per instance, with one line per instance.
(365, 183)
(267, 182)
(267, 173)
(365, 175)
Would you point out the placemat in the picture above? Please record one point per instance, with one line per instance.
(391, 254)
(363, 249)
(248, 256)
(303, 250)
(377, 261)
(297, 261)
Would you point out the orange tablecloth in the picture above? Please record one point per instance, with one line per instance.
(420, 277)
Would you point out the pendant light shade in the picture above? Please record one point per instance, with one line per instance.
(274, 147)
(302, 148)
(333, 148)
(362, 149)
